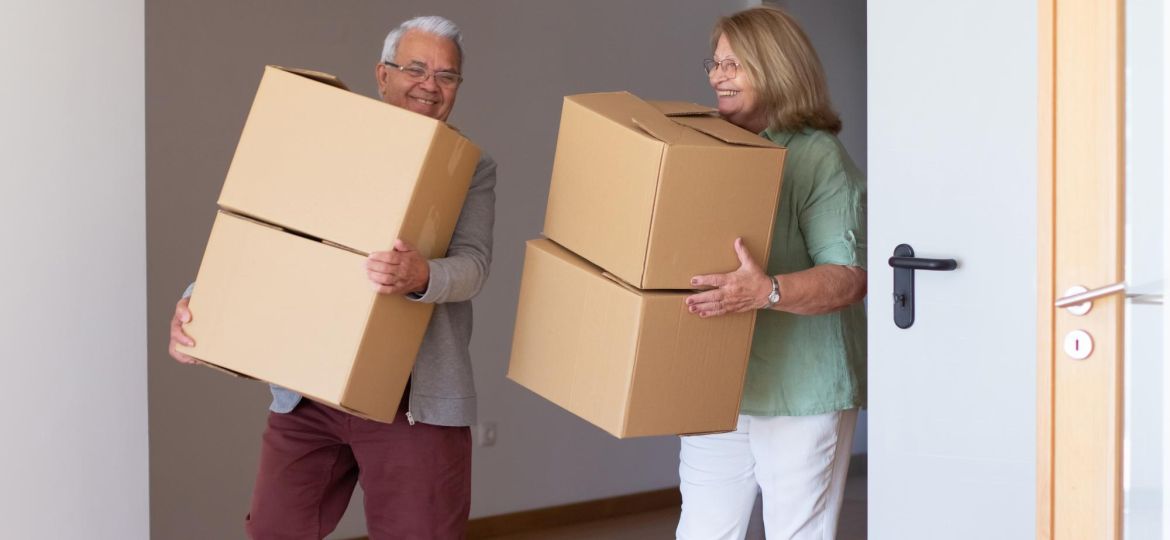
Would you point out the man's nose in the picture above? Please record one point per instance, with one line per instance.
(429, 83)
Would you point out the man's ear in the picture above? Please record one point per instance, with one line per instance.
(380, 73)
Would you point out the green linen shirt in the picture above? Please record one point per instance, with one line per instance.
(811, 364)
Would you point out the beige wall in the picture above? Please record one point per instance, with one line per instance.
(203, 63)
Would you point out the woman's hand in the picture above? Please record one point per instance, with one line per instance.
(745, 289)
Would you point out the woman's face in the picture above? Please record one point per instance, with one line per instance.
(737, 97)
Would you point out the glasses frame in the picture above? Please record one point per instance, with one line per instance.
(710, 64)
(439, 76)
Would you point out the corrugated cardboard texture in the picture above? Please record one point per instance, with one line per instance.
(299, 313)
(575, 336)
(630, 362)
(687, 364)
(337, 165)
(438, 199)
(711, 182)
(703, 203)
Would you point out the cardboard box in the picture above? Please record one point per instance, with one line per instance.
(656, 193)
(355, 171)
(631, 362)
(300, 313)
(320, 178)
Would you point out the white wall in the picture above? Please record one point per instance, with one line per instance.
(204, 61)
(1147, 35)
(73, 461)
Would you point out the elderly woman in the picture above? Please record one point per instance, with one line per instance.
(806, 375)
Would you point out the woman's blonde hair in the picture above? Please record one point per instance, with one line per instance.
(783, 67)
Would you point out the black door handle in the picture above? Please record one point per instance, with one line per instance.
(904, 264)
(914, 263)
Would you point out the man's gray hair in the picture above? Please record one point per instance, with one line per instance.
(431, 24)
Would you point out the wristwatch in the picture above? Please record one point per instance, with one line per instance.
(774, 296)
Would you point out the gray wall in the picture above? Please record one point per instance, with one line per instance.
(837, 30)
(203, 63)
(72, 282)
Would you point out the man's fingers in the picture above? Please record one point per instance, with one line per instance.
(395, 288)
(389, 257)
(180, 337)
(384, 267)
(386, 257)
(401, 245)
(182, 358)
(182, 313)
(382, 278)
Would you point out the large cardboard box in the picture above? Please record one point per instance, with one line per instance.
(631, 362)
(657, 192)
(300, 313)
(320, 178)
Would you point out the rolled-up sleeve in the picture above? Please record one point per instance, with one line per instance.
(462, 273)
(833, 221)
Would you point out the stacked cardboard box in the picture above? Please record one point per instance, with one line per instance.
(322, 177)
(643, 197)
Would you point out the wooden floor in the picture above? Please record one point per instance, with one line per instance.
(660, 524)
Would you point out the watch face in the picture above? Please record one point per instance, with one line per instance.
(774, 297)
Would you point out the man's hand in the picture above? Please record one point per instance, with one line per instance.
(178, 336)
(401, 270)
(745, 289)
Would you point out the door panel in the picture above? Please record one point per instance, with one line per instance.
(952, 154)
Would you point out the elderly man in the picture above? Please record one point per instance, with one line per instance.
(415, 472)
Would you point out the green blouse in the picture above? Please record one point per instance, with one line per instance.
(811, 364)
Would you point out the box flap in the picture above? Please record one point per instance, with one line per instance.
(630, 111)
(660, 128)
(724, 131)
(604, 179)
(682, 108)
(318, 76)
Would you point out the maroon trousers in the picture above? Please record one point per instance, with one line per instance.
(416, 479)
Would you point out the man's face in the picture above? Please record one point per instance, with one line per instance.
(426, 97)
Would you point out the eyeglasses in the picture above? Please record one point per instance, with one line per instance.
(446, 79)
(728, 67)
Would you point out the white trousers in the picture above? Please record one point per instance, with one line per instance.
(799, 464)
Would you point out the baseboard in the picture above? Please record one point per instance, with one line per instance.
(858, 465)
(572, 514)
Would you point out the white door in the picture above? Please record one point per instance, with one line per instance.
(952, 173)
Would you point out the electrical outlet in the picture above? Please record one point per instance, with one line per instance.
(485, 434)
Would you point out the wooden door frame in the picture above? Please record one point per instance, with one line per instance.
(1080, 213)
